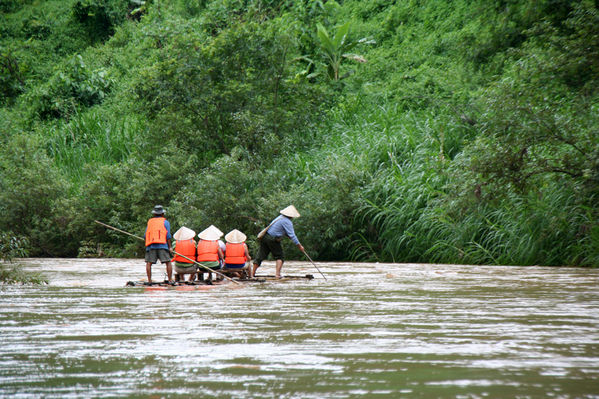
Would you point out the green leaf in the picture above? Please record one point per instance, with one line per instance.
(341, 34)
(325, 40)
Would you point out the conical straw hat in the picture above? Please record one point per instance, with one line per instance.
(290, 211)
(184, 234)
(211, 233)
(216, 230)
(235, 237)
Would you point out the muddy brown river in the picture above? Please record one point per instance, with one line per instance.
(368, 331)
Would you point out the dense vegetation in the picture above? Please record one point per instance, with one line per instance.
(12, 273)
(462, 131)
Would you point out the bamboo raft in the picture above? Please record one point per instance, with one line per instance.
(207, 284)
(273, 278)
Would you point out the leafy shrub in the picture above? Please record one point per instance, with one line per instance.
(123, 196)
(536, 126)
(527, 180)
(12, 71)
(100, 17)
(228, 195)
(12, 5)
(233, 90)
(221, 15)
(30, 193)
(190, 8)
(75, 87)
(36, 27)
(327, 203)
(12, 246)
(15, 275)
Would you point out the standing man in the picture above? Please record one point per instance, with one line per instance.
(271, 241)
(158, 242)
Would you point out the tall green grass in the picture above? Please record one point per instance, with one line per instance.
(399, 175)
(376, 161)
(523, 230)
(91, 139)
(415, 225)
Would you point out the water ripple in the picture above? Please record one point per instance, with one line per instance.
(370, 330)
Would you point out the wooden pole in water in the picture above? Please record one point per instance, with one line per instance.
(313, 264)
(176, 253)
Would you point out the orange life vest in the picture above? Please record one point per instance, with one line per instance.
(156, 232)
(207, 251)
(235, 254)
(186, 248)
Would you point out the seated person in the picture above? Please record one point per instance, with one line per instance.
(237, 255)
(209, 253)
(185, 248)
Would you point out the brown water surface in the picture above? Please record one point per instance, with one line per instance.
(369, 331)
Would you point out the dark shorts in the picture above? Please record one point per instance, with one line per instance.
(237, 266)
(214, 265)
(185, 268)
(153, 255)
(269, 244)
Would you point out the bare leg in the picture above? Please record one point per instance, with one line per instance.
(279, 266)
(149, 271)
(169, 271)
(253, 271)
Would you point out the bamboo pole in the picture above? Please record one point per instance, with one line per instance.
(313, 264)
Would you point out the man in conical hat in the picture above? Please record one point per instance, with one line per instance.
(270, 241)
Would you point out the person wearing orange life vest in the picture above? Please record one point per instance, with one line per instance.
(158, 242)
(185, 256)
(237, 255)
(208, 252)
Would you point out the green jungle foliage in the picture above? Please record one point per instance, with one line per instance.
(13, 246)
(461, 131)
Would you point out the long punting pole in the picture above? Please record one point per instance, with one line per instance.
(313, 264)
(176, 253)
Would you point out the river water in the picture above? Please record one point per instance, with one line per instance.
(368, 331)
